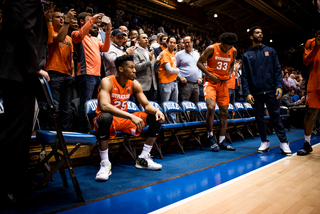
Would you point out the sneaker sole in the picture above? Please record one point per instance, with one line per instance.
(285, 153)
(145, 167)
(263, 151)
(101, 179)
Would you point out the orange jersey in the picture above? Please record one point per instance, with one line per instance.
(59, 56)
(311, 56)
(220, 62)
(164, 76)
(119, 96)
(231, 83)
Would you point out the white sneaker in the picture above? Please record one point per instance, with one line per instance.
(146, 162)
(264, 147)
(104, 172)
(285, 149)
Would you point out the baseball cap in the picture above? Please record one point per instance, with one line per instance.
(117, 32)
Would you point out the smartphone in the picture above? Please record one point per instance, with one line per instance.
(46, 5)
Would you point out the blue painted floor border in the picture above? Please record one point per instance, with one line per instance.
(154, 197)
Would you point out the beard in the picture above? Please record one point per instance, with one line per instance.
(256, 40)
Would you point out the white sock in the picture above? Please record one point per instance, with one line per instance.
(146, 150)
(307, 138)
(104, 154)
(221, 138)
(210, 134)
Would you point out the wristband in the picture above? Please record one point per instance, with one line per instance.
(49, 20)
(127, 53)
(68, 23)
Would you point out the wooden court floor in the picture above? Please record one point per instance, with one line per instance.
(291, 185)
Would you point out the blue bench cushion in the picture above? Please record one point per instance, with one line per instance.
(69, 137)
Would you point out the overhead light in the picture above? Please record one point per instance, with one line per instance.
(180, 1)
(248, 30)
(215, 15)
(271, 40)
(302, 44)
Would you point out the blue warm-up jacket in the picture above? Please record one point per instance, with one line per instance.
(261, 71)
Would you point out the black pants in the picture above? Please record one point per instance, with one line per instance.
(19, 103)
(188, 92)
(274, 112)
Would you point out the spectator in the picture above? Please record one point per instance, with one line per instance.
(285, 80)
(293, 81)
(190, 76)
(60, 67)
(146, 67)
(94, 30)
(133, 38)
(153, 42)
(113, 116)
(298, 96)
(89, 49)
(196, 45)
(73, 26)
(181, 45)
(163, 45)
(118, 21)
(116, 50)
(287, 100)
(168, 72)
(156, 44)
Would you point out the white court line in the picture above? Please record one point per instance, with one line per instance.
(191, 198)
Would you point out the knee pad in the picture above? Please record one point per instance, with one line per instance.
(154, 126)
(104, 122)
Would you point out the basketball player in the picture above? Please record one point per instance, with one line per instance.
(311, 57)
(112, 116)
(220, 59)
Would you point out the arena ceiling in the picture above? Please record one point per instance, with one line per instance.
(284, 19)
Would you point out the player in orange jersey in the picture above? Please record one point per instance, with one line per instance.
(220, 59)
(311, 57)
(113, 96)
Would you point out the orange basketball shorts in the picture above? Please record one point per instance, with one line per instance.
(217, 91)
(313, 99)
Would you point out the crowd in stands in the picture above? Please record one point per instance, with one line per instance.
(77, 67)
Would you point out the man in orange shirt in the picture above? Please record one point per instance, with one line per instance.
(60, 66)
(231, 84)
(167, 74)
(220, 59)
(311, 57)
(88, 49)
(112, 116)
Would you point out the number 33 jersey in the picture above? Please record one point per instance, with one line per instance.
(219, 63)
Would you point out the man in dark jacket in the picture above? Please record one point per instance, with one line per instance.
(286, 100)
(262, 83)
(23, 45)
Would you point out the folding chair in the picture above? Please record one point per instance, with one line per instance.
(58, 141)
(189, 107)
(246, 120)
(168, 107)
